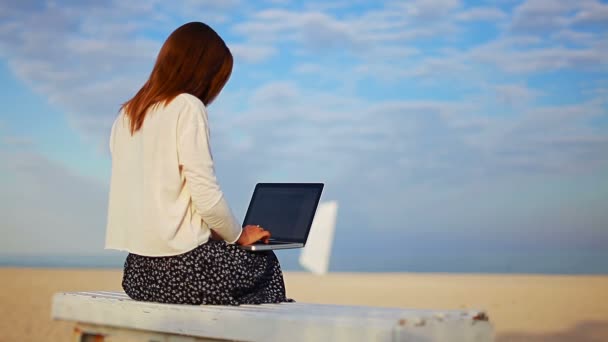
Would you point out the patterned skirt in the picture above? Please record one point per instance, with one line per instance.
(213, 273)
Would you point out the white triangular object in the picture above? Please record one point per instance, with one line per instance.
(315, 256)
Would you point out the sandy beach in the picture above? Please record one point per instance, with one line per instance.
(521, 307)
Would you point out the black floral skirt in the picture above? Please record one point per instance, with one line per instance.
(213, 273)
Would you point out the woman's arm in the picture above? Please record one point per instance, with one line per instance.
(194, 154)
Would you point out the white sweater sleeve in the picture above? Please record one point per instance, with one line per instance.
(195, 157)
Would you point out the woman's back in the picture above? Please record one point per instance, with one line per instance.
(150, 211)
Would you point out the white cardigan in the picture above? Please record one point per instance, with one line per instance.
(164, 196)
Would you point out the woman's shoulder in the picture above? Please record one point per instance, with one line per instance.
(193, 102)
(189, 110)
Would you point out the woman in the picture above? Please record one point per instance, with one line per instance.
(165, 205)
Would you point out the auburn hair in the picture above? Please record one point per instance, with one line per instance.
(194, 59)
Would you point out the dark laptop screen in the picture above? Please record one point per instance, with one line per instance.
(286, 210)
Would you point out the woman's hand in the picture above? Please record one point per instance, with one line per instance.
(252, 234)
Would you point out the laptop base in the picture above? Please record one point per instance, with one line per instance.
(269, 247)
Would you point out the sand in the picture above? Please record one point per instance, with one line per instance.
(521, 307)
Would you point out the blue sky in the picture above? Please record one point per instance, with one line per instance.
(442, 124)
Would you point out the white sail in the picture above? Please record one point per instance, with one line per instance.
(315, 256)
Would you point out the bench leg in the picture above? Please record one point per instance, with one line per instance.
(98, 333)
(82, 336)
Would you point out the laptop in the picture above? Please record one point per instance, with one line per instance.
(286, 210)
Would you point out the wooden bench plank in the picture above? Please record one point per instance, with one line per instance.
(318, 309)
(273, 322)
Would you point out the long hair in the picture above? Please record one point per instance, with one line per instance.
(194, 60)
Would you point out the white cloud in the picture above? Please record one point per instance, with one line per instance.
(541, 59)
(549, 15)
(422, 69)
(314, 29)
(481, 14)
(252, 53)
(542, 15)
(275, 94)
(594, 12)
(515, 94)
(319, 31)
(430, 9)
(574, 37)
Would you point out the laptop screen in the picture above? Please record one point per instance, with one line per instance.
(286, 210)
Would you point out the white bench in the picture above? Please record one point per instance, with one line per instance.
(112, 316)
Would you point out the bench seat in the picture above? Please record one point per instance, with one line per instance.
(271, 322)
